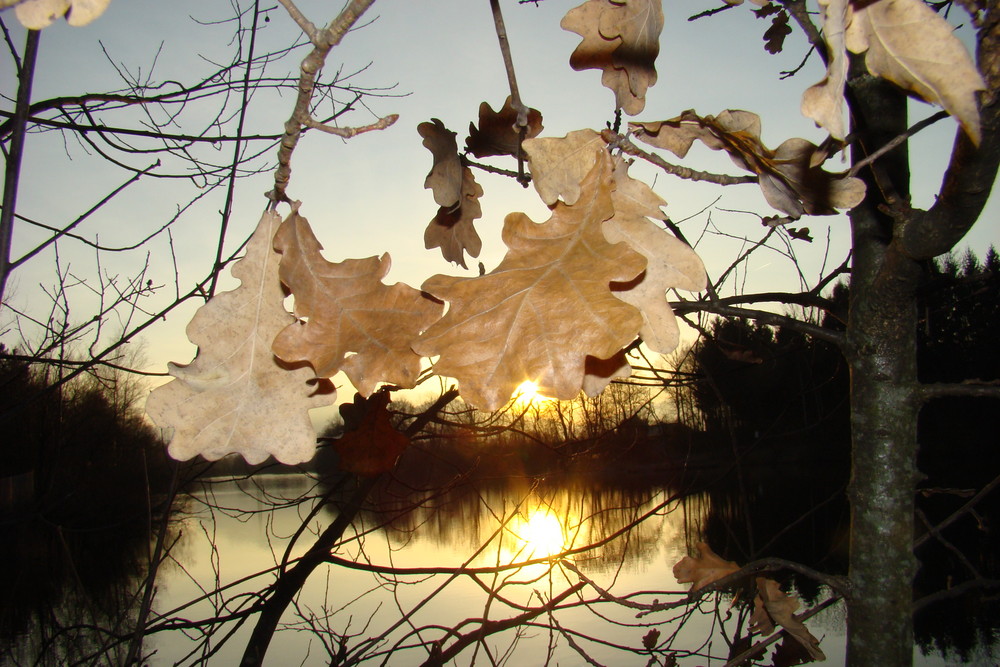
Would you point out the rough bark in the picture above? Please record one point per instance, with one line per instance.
(881, 353)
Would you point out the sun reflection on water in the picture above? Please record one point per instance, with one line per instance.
(538, 534)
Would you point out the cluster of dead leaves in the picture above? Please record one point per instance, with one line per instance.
(454, 186)
(904, 41)
(570, 295)
(772, 606)
(549, 310)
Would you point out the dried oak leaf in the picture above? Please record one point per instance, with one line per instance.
(824, 101)
(38, 14)
(780, 608)
(559, 164)
(702, 569)
(774, 37)
(445, 177)
(908, 43)
(788, 177)
(497, 133)
(235, 396)
(371, 445)
(671, 263)
(544, 309)
(622, 38)
(599, 373)
(349, 319)
(452, 229)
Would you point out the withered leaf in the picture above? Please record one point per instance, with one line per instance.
(781, 610)
(544, 309)
(788, 176)
(703, 569)
(671, 263)
(599, 373)
(350, 319)
(774, 37)
(908, 43)
(497, 133)
(622, 38)
(824, 101)
(559, 164)
(445, 176)
(38, 14)
(235, 396)
(802, 234)
(370, 446)
(452, 229)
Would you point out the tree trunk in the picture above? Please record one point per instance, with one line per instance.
(882, 357)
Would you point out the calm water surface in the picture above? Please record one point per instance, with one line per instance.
(232, 532)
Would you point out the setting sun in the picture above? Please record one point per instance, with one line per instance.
(527, 394)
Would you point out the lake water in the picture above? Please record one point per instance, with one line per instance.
(418, 568)
(239, 531)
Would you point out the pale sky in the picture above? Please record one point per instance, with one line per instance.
(365, 196)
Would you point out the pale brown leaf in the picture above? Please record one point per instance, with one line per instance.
(671, 263)
(789, 177)
(703, 569)
(38, 14)
(824, 102)
(908, 43)
(453, 229)
(599, 373)
(445, 177)
(622, 38)
(544, 309)
(349, 319)
(235, 396)
(497, 133)
(558, 165)
(781, 609)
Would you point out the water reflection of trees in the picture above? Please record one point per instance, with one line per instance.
(85, 484)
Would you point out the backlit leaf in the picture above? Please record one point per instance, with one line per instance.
(703, 569)
(38, 14)
(544, 309)
(497, 134)
(452, 229)
(558, 165)
(671, 263)
(781, 610)
(235, 396)
(908, 43)
(824, 102)
(445, 176)
(622, 38)
(350, 319)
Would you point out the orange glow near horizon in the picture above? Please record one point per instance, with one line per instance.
(527, 394)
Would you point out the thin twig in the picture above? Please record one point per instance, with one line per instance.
(896, 141)
(622, 142)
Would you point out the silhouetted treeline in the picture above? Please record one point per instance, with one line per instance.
(83, 477)
(781, 399)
